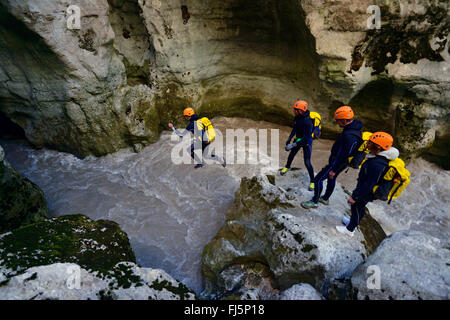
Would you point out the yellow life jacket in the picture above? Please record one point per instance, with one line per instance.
(393, 182)
(317, 124)
(205, 124)
(359, 157)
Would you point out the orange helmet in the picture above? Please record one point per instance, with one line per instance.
(383, 139)
(188, 112)
(301, 105)
(344, 112)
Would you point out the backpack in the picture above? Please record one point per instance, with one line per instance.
(205, 124)
(393, 182)
(317, 124)
(358, 157)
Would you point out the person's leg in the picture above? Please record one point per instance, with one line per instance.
(331, 184)
(205, 151)
(194, 148)
(291, 156)
(208, 155)
(358, 211)
(307, 151)
(318, 183)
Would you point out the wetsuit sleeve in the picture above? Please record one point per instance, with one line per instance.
(189, 128)
(341, 161)
(291, 135)
(372, 174)
(180, 133)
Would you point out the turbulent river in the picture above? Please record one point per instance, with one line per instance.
(171, 211)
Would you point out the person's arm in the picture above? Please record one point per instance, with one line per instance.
(291, 136)
(366, 183)
(178, 132)
(344, 152)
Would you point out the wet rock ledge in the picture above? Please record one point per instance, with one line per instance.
(74, 257)
(272, 248)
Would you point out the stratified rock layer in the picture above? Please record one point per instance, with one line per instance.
(134, 65)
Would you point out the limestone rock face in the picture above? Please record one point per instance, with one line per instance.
(127, 281)
(21, 201)
(396, 74)
(412, 265)
(65, 87)
(234, 58)
(266, 225)
(302, 291)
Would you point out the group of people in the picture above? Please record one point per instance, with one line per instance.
(380, 152)
(376, 162)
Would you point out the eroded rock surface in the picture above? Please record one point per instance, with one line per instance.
(395, 75)
(68, 281)
(412, 266)
(134, 65)
(266, 225)
(73, 257)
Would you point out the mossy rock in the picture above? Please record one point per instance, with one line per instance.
(397, 38)
(94, 245)
(21, 201)
(125, 275)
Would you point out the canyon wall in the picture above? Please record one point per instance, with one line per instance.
(134, 65)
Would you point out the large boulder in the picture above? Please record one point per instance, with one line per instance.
(301, 291)
(50, 259)
(94, 245)
(267, 226)
(68, 281)
(74, 257)
(21, 201)
(412, 266)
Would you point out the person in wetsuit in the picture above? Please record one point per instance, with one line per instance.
(303, 128)
(200, 138)
(347, 142)
(371, 173)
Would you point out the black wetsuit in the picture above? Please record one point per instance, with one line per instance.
(303, 127)
(369, 176)
(196, 144)
(347, 142)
